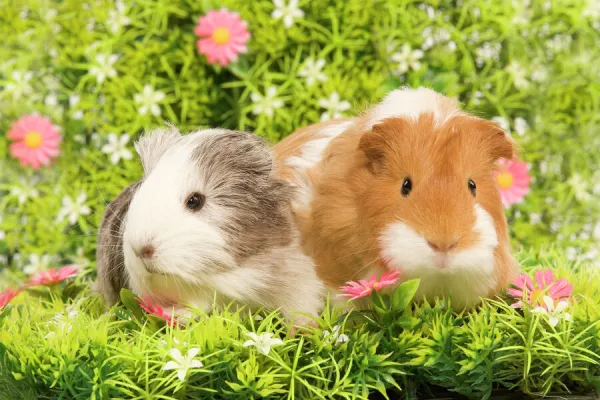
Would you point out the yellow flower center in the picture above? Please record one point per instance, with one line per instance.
(221, 35)
(33, 140)
(505, 180)
(536, 296)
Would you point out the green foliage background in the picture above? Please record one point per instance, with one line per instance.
(533, 61)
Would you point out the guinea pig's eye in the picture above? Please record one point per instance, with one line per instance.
(195, 201)
(472, 187)
(406, 187)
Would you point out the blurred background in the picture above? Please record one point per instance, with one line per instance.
(81, 80)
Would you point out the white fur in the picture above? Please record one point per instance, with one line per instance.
(410, 103)
(468, 274)
(157, 216)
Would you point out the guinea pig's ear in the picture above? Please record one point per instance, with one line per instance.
(497, 142)
(153, 145)
(377, 141)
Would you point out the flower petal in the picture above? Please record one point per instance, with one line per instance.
(176, 354)
(181, 374)
(193, 353)
(170, 366)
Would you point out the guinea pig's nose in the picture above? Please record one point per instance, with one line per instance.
(442, 247)
(146, 251)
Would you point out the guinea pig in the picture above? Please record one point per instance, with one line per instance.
(407, 186)
(209, 223)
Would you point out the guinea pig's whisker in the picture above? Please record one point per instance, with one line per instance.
(115, 268)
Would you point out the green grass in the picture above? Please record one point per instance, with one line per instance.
(70, 348)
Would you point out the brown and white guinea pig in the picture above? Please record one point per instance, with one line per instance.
(209, 216)
(408, 186)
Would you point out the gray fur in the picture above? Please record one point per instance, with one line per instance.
(239, 168)
(109, 252)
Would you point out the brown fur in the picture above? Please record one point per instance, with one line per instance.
(357, 190)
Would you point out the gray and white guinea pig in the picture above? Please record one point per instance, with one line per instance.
(209, 220)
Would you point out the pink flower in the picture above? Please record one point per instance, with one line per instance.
(54, 276)
(35, 139)
(513, 180)
(223, 36)
(7, 296)
(362, 288)
(545, 285)
(156, 310)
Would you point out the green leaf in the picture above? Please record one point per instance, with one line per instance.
(5, 312)
(72, 290)
(593, 380)
(129, 300)
(404, 294)
(379, 303)
(406, 321)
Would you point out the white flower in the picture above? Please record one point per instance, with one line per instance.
(183, 364)
(104, 67)
(117, 148)
(519, 75)
(407, 59)
(25, 190)
(73, 209)
(592, 9)
(535, 218)
(148, 100)
(287, 12)
(51, 100)
(37, 263)
(19, 85)
(488, 51)
(555, 226)
(520, 126)
(312, 71)
(580, 187)
(503, 122)
(335, 335)
(117, 18)
(334, 107)
(262, 342)
(432, 36)
(477, 96)
(572, 252)
(559, 43)
(523, 12)
(73, 102)
(266, 104)
(554, 314)
(91, 25)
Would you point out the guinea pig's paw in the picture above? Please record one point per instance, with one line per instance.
(302, 324)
